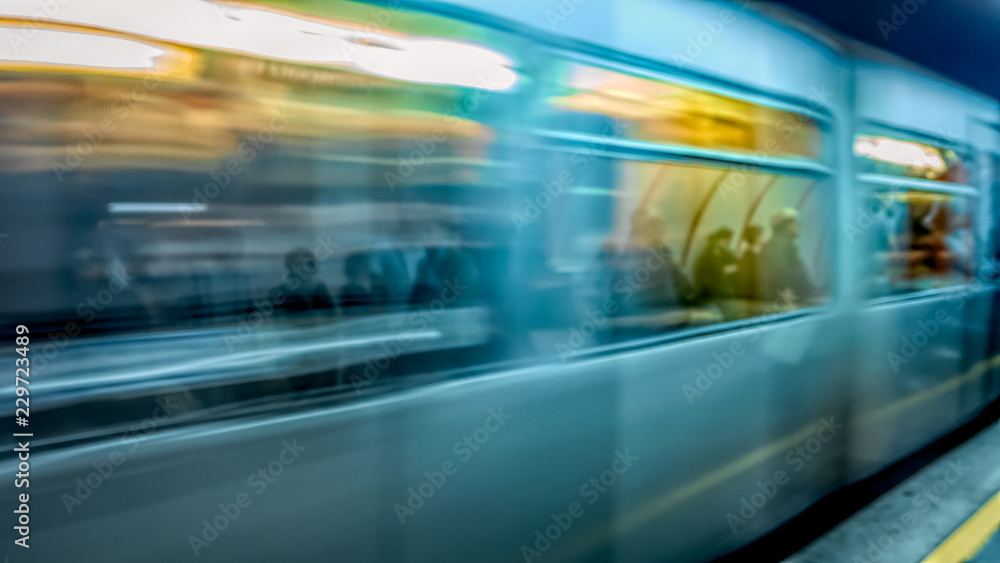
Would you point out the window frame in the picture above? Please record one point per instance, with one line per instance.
(822, 171)
(868, 184)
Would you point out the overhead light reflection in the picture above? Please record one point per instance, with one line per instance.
(220, 223)
(143, 207)
(901, 153)
(435, 61)
(278, 34)
(66, 48)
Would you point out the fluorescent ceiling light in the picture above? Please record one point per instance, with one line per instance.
(901, 153)
(142, 207)
(67, 48)
(221, 223)
(279, 35)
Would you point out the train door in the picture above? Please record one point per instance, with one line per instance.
(918, 247)
(992, 382)
(978, 296)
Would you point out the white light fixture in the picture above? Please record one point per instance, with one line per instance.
(281, 35)
(143, 207)
(902, 153)
(437, 61)
(67, 48)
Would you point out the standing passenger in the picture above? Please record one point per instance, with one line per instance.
(300, 292)
(445, 273)
(783, 275)
(748, 285)
(715, 271)
(665, 288)
(363, 291)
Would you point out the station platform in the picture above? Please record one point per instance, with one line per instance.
(949, 512)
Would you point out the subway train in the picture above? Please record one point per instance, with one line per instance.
(453, 281)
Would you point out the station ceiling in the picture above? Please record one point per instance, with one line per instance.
(959, 39)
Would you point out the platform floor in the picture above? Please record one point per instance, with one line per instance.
(990, 553)
(946, 513)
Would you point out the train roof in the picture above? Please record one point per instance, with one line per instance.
(762, 47)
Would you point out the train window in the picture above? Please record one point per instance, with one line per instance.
(889, 154)
(921, 240)
(646, 248)
(245, 228)
(671, 113)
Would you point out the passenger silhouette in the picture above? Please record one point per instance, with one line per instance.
(597, 282)
(748, 284)
(930, 251)
(961, 242)
(393, 275)
(428, 282)
(447, 274)
(783, 275)
(104, 294)
(89, 278)
(300, 292)
(716, 268)
(364, 291)
(593, 291)
(648, 256)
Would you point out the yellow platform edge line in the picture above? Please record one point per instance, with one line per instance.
(966, 541)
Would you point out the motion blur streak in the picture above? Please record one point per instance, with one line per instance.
(685, 230)
(52, 47)
(280, 34)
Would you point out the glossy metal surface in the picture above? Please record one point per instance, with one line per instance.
(184, 160)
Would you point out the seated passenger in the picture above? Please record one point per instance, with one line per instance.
(960, 240)
(748, 285)
(784, 279)
(96, 280)
(648, 268)
(363, 291)
(930, 249)
(393, 275)
(299, 292)
(715, 271)
(447, 274)
(597, 282)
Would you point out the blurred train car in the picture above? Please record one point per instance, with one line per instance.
(432, 281)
